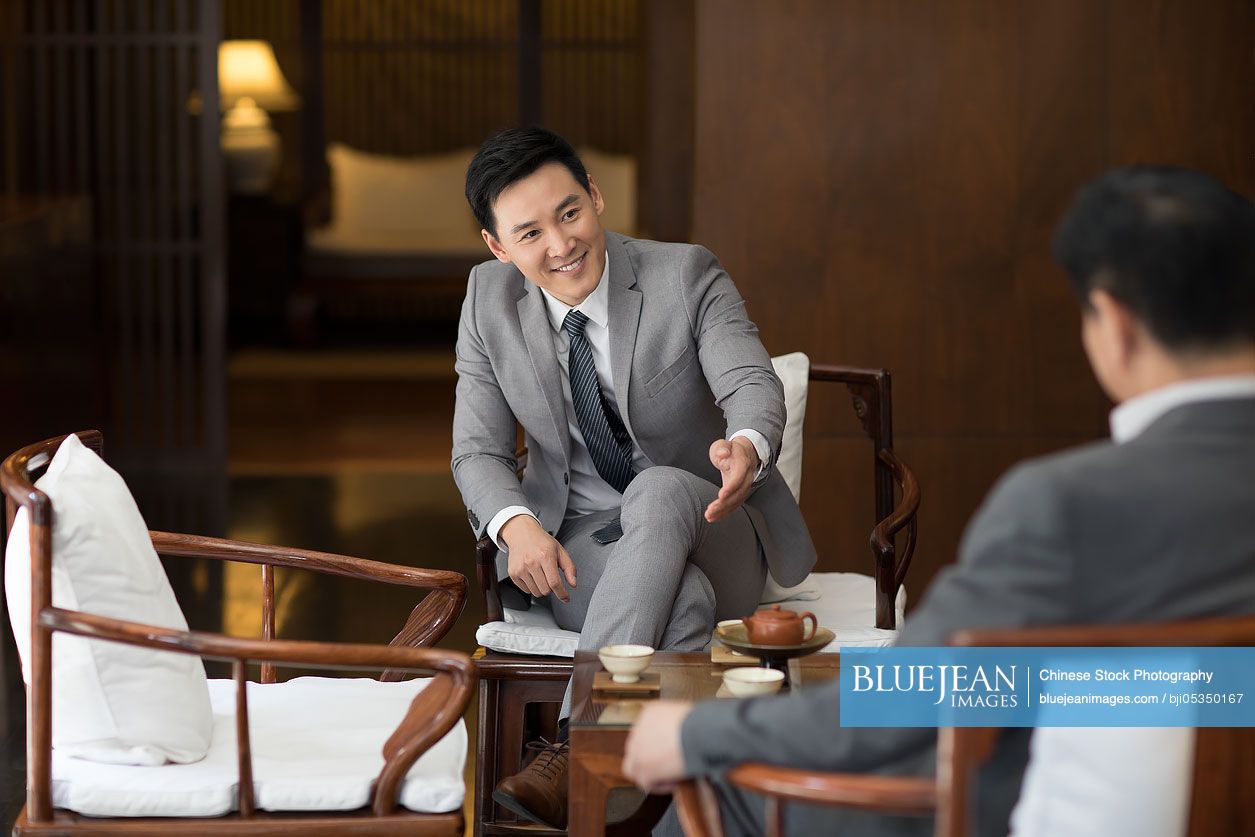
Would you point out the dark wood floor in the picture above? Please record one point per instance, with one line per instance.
(340, 451)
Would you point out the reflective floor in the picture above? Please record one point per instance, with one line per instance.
(339, 452)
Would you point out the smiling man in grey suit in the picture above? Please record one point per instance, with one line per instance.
(651, 414)
(1155, 525)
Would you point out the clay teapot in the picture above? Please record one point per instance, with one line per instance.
(774, 626)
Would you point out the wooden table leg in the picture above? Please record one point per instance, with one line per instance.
(589, 777)
(595, 769)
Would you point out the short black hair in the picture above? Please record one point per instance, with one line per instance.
(1174, 245)
(508, 157)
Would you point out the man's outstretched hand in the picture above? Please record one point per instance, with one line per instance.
(737, 461)
(536, 558)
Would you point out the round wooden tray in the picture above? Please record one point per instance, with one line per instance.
(736, 638)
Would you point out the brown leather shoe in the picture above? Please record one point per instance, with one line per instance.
(538, 792)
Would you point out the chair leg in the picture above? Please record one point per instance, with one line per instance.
(514, 707)
(511, 732)
(486, 752)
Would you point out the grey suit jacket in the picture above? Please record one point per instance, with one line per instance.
(687, 365)
(1156, 529)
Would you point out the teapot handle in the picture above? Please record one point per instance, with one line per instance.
(814, 626)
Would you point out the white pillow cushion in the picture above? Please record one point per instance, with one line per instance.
(316, 745)
(381, 193)
(794, 372)
(110, 702)
(615, 176)
(1087, 782)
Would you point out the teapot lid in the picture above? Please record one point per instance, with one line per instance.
(775, 614)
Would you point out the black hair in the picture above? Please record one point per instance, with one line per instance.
(508, 157)
(1174, 245)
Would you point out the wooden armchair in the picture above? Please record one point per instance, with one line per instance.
(435, 710)
(1223, 767)
(519, 693)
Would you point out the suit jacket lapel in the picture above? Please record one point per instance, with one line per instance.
(624, 318)
(537, 333)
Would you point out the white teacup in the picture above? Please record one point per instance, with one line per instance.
(729, 623)
(626, 662)
(748, 682)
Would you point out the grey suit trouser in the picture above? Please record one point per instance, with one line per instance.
(669, 578)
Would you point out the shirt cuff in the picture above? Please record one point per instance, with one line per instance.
(500, 518)
(759, 441)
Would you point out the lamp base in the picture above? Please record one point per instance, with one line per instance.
(250, 149)
(251, 157)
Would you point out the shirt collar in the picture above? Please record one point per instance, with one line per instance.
(596, 306)
(1135, 415)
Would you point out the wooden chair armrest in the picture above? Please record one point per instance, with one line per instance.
(486, 575)
(433, 713)
(698, 809)
(429, 717)
(427, 623)
(486, 559)
(902, 516)
(845, 374)
(296, 652)
(197, 546)
(889, 794)
(1217, 631)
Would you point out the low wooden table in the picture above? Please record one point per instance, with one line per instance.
(600, 725)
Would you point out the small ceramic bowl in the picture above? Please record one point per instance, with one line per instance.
(748, 682)
(626, 662)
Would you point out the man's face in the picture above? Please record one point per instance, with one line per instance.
(550, 229)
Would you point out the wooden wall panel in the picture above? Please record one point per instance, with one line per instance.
(883, 178)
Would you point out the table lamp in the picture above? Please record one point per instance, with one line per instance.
(251, 83)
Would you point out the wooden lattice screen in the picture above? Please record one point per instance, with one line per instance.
(101, 100)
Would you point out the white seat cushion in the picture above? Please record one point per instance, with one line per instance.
(110, 702)
(843, 602)
(846, 603)
(316, 743)
(531, 631)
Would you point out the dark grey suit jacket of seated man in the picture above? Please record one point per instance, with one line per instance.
(1157, 528)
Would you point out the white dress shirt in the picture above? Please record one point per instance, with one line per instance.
(588, 491)
(1133, 416)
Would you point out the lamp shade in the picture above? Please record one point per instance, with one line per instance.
(249, 69)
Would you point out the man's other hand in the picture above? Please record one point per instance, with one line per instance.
(653, 759)
(737, 461)
(537, 562)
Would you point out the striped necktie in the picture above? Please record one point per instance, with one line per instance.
(604, 434)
